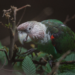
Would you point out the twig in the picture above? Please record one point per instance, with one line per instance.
(14, 53)
(34, 61)
(2, 24)
(21, 17)
(29, 51)
(68, 62)
(12, 34)
(7, 13)
(55, 68)
(68, 19)
(5, 53)
(23, 7)
(22, 14)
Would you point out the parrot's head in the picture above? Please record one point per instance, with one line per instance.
(31, 31)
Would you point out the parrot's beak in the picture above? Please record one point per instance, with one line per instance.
(26, 38)
(20, 28)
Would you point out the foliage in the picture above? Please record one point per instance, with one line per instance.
(67, 73)
(3, 56)
(69, 67)
(29, 68)
(47, 68)
(8, 25)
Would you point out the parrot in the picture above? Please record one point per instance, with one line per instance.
(51, 36)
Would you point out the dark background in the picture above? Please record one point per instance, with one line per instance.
(60, 9)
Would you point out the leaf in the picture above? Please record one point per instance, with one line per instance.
(2, 56)
(47, 68)
(32, 45)
(1, 46)
(73, 71)
(28, 66)
(65, 68)
(40, 55)
(7, 49)
(18, 66)
(21, 50)
(70, 57)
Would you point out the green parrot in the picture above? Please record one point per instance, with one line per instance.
(51, 36)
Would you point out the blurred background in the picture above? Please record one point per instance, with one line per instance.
(39, 10)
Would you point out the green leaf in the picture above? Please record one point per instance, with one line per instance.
(40, 55)
(69, 67)
(65, 68)
(28, 66)
(18, 66)
(1, 47)
(3, 56)
(47, 68)
(21, 49)
(70, 57)
(7, 49)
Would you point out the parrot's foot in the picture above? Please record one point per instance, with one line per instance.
(29, 51)
(51, 63)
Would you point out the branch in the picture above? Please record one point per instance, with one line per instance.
(55, 68)
(23, 13)
(35, 62)
(12, 34)
(14, 53)
(21, 18)
(24, 7)
(12, 30)
(68, 19)
(68, 62)
(2, 24)
(29, 51)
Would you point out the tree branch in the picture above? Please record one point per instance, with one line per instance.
(68, 19)
(55, 68)
(68, 62)
(23, 7)
(12, 34)
(34, 61)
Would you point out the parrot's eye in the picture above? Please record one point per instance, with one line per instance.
(29, 28)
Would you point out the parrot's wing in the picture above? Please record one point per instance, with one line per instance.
(61, 35)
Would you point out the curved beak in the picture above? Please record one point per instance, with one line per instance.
(25, 38)
(20, 27)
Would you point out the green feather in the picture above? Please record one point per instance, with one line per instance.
(48, 48)
(64, 42)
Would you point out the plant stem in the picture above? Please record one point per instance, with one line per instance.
(12, 35)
